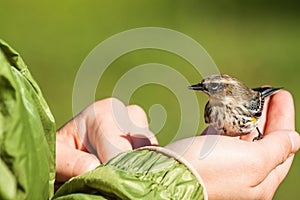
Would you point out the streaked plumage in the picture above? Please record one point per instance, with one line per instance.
(233, 108)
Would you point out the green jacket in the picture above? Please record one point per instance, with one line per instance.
(27, 132)
(27, 153)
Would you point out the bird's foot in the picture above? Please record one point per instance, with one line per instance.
(259, 136)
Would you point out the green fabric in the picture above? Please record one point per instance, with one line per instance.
(140, 174)
(27, 133)
(27, 152)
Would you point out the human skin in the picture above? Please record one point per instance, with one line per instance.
(94, 137)
(236, 167)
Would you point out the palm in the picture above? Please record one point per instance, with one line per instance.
(256, 168)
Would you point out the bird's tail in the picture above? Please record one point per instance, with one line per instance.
(266, 91)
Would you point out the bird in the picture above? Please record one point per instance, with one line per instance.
(233, 109)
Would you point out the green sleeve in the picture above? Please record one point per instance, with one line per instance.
(27, 132)
(139, 174)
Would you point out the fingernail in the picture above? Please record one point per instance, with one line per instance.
(295, 141)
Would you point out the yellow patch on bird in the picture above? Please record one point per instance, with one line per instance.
(253, 119)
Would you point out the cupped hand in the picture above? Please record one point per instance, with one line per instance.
(99, 133)
(237, 168)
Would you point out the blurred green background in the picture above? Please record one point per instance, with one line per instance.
(256, 41)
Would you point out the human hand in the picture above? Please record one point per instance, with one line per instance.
(237, 168)
(105, 128)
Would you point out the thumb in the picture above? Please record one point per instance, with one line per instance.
(71, 162)
(279, 145)
(284, 144)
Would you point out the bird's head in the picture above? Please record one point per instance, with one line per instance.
(220, 86)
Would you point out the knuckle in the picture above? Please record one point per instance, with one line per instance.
(284, 148)
(105, 105)
(106, 102)
(136, 110)
(137, 115)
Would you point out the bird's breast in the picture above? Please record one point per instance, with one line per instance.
(230, 119)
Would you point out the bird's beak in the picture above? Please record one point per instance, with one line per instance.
(198, 86)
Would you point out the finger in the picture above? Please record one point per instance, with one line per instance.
(72, 134)
(140, 134)
(71, 162)
(108, 139)
(280, 113)
(277, 147)
(269, 185)
(107, 128)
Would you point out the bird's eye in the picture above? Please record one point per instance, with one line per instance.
(214, 85)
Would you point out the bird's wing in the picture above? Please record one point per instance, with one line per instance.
(266, 91)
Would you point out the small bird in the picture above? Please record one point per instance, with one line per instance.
(233, 108)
